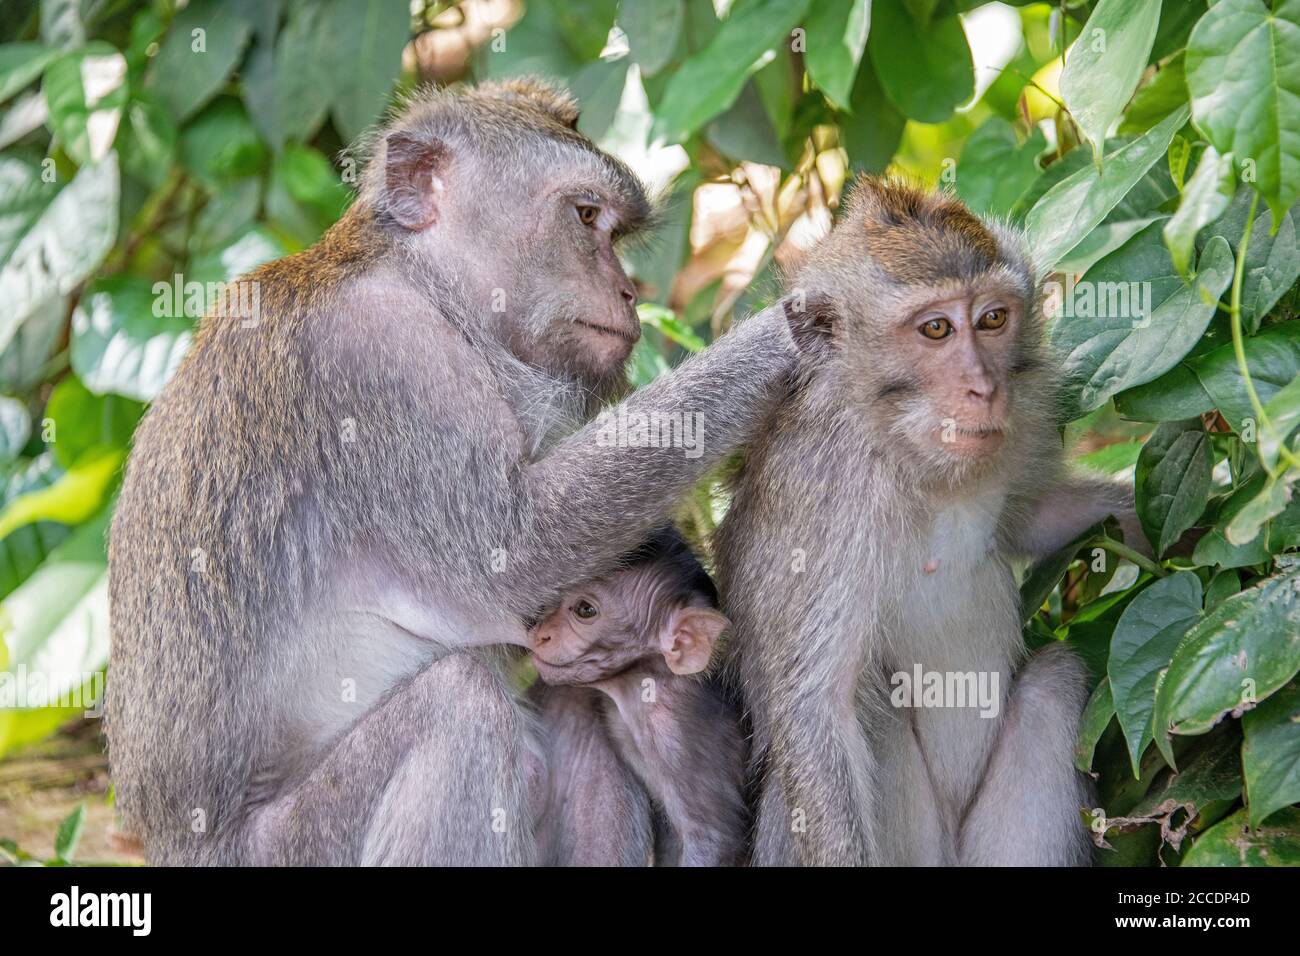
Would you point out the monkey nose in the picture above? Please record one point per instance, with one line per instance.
(629, 295)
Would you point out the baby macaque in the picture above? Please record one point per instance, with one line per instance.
(637, 636)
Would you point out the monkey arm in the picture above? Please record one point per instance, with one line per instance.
(602, 490)
(1069, 508)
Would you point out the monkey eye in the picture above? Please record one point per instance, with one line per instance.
(992, 319)
(587, 214)
(937, 329)
(584, 609)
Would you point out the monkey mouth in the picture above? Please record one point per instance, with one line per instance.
(980, 432)
(627, 336)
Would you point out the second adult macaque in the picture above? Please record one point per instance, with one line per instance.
(873, 531)
(638, 636)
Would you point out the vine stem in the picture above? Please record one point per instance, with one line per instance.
(1124, 551)
(1239, 343)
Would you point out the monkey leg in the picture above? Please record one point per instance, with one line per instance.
(436, 774)
(1026, 810)
(913, 829)
(594, 811)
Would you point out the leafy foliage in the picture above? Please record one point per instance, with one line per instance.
(152, 153)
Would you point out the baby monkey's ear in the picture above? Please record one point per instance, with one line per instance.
(687, 639)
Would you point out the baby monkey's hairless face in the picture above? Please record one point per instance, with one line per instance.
(634, 616)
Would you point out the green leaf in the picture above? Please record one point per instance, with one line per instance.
(584, 24)
(297, 93)
(872, 133)
(1143, 643)
(1134, 317)
(86, 424)
(1234, 843)
(652, 28)
(20, 64)
(1205, 198)
(149, 145)
(23, 551)
(925, 69)
(1283, 411)
(1243, 72)
(69, 834)
(15, 428)
(1112, 459)
(1272, 257)
(202, 47)
(1173, 481)
(305, 196)
(76, 495)
(1105, 63)
(1271, 501)
(1215, 550)
(57, 621)
(51, 239)
(86, 92)
(1073, 207)
(1096, 718)
(369, 37)
(837, 37)
(709, 82)
(1238, 653)
(221, 143)
(1273, 357)
(995, 169)
(1166, 92)
(744, 132)
(1270, 755)
(665, 321)
(121, 343)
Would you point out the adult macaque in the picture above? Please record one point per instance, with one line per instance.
(634, 636)
(873, 530)
(335, 496)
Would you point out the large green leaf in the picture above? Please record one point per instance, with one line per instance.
(652, 28)
(1273, 358)
(709, 82)
(20, 64)
(86, 92)
(370, 37)
(925, 68)
(1238, 653)
(202, 47)
(1096, 718)
(873, 131)
(1205, 198)
(1105, 63)
(15, 427)
(1074, 206)
(120, 342)
(56, 623)
(87, 424)
(1272, 258)
(995, 169)
(1112, 342)
(1173, 481)
(304, 196)
(1234, 843)
(51, 239)
(1270, 755)
(1143, 643)
(293, 89)
(1243, 71)
(837, 37)
(1215, 550)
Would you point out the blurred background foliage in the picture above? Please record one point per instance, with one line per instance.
(154, 149)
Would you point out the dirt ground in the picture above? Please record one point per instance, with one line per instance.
(42, 784)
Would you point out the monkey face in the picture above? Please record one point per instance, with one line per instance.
(587, 638)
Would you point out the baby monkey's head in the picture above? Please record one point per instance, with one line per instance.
(660, 605)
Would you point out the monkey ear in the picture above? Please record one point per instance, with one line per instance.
(412, 180)
(813, 318)
(687, 641)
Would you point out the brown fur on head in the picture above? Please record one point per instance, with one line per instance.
(934, 327)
